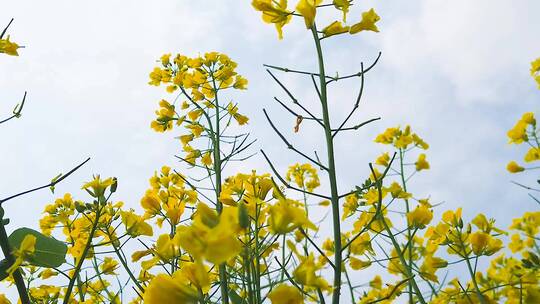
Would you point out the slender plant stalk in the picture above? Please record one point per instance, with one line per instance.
(409, 235)
(471, 271)
(17, 276)
(397, 247)
(331, 170)
(219, 205)
(126, 267)
(83, 255)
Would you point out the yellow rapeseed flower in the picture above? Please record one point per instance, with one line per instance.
(420, 217)
(421, 163)
(285, 216)
(535, 71)
(166, 289)
(275, 12)
(367, 23)
(513, 167)
(308, 9)
(533, 154)
(285, 294)
(342, 5)
(108, 266)
(8, 47)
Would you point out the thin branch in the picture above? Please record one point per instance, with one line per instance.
(287, 70)
(317, 247)
(525, 187)
(286, 184)
(377, 180)
(16, 111)
(289, 145)
(294, 100)
(6, 28)
(392, 291)
(293, 112)
(359, 74)
(358, 98)
(316, 87)
(358, 126)
(51, 184)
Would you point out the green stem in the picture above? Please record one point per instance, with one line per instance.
(219, 206)
(247, 272)
(257, 266)
(471, 271)
(126, 267)
(406, 269)
(331, 170)
(83, 255)
(397, 247)
(6, 249)
(409, 236)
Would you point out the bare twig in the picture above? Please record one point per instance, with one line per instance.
(51, 184)
(290, 146)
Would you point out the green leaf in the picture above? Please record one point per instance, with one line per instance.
(49, 252)
(4, 265)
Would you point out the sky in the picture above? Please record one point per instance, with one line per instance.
(456, 71)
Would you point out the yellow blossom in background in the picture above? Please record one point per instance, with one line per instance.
(165, 117)
(513, 167)
(135, 225)
(483, 243)
(535, 71)
(108, 266)
(383, 159)
(306, 273)
(304, 175)
(8, 47)
(397, 192)
(285, 294)
(518, 133)
(358, 264)
(47, 273)
(210, 236)
(367, 23)
(285, 216)
(166, 289)
(151, 203)
(453, 218)
(533, 154)
(401, 138)
(420, 217)
(421, 163)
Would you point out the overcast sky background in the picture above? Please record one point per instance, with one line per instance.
(457, 71)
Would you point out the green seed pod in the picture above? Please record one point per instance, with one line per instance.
(80, 207)
(243, 216)
(114, 185)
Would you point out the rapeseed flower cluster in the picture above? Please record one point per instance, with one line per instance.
(256, 238)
